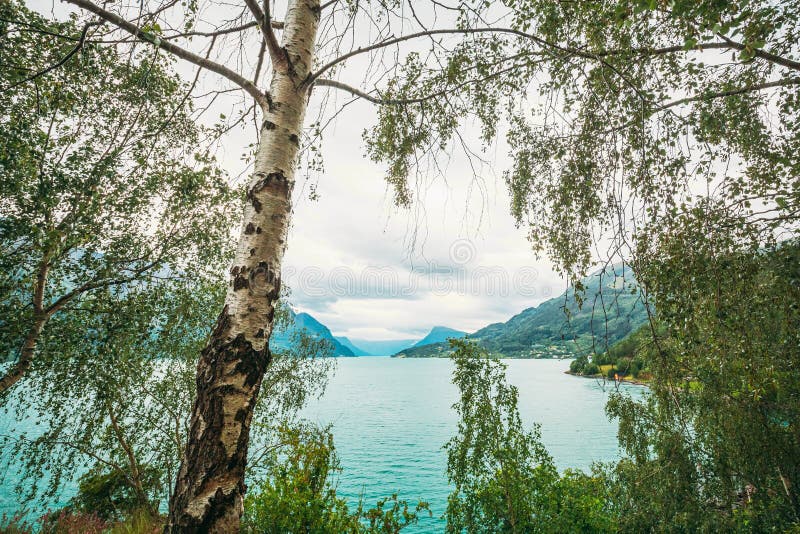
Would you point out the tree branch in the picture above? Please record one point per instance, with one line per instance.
(324, 82)
(732, 92)
(597, 55)
(763, 54)
(280, 59)
(702, 97)
(275, 24)
(167, 46)
(418, 100)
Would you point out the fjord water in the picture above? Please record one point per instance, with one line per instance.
(391, 418)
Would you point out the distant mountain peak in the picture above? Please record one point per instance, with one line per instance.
(443, 329)
(439, 334)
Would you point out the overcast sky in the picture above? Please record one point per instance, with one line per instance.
(368, 270)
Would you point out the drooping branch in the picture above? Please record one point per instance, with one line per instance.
(325, 82)
(177, 51)
(280, 59)
(704, 98)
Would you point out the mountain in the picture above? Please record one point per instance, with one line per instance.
(439, 334)
(284, 337)
(383, 347)
(349, 344)
(611, 309)
(366, 347)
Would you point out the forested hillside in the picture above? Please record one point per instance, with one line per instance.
(606, 308)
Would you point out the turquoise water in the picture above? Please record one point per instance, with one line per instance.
(391, 418)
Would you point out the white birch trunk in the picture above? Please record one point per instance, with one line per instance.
(210, 486)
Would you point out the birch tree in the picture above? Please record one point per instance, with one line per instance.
(429, 67)
(96, 192)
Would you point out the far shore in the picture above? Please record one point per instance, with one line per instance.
(626, 380)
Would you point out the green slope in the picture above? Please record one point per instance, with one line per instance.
(284, 338)
(350, 345)
(559, 327)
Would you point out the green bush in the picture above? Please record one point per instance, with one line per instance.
(578, 365)
(111, 495)
(591, 369)
(298, 493)
(503, 478)
(623, 366)
(602, 359)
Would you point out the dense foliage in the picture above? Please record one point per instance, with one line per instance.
(102, 190)
(657, 134)
(298, 492)
(724, 385)
(630, 356)
(663, 134)
(114, 229)
(505, 481)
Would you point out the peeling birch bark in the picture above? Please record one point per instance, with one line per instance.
(210, 486)
(15, 373)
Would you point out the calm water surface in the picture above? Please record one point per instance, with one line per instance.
(391, 418)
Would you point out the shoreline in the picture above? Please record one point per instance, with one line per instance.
(631, 381)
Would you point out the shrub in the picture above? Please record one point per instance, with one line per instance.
(140, 522)
(111, 496)
(591, 369)
(623, 366)
(577, 366)
(602, 359)
(15, 525)
(298, 493)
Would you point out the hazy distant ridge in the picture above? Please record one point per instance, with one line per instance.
(366, 347)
